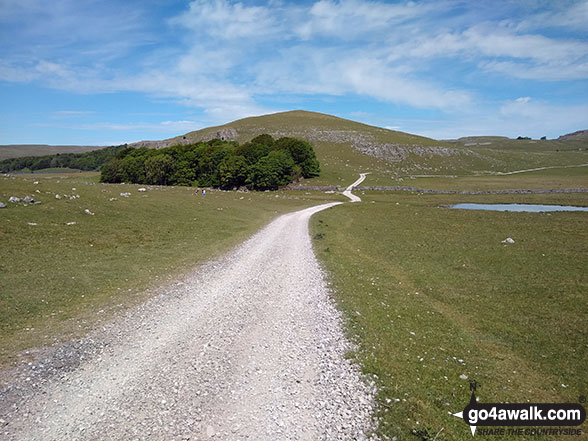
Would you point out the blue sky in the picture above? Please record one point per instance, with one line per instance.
(108, 72)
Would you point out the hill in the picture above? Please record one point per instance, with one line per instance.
(345, 147)
(20, 150)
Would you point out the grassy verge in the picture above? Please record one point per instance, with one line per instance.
(433, 295)
(58, 279)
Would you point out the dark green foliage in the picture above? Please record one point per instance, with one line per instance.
(233, 172)
(271, 171)
(260, 164)
(264, 139)
(302, 153)
(88, 161)
(253, 152)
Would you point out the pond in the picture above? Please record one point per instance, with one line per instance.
(519, 207)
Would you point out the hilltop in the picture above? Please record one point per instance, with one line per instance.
(345, 147)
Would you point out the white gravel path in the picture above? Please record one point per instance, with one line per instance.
(347, 191)
(249, 347)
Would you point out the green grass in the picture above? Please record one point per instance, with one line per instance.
(55, 277)
(576, 177)
(424, 287)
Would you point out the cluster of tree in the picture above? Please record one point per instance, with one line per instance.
(263, 163)
(92, 160)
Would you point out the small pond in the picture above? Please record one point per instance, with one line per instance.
(519, 207)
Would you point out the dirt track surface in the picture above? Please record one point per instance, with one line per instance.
(247, 348)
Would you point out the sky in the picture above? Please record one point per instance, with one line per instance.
(104, 72)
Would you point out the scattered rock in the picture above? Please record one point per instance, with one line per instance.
(71, 223)
(125, 194)
(508, 240)
(32, 223)
(2, 205)
(57, 196)
(88, 212)
(28, 200)
(13, 199)
(463, 377)
(142, 189)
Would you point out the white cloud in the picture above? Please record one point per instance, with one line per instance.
(224, 20)
(163, 126)
(347, 19)
(224, 56)
(573, 17)
(64, 114)
(540, 72)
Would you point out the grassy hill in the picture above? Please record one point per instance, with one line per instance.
(346, 147)
(20, 150)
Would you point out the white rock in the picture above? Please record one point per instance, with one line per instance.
(463, 377)
(508, 240)
(13, 199)
(142, 189)
(57, 196)
(88, 212)
(125, 194)
(70, 223)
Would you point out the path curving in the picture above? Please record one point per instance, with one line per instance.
(248, 347)
(347, 191)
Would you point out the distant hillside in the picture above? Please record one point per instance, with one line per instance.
(342, 146)
(345, 147)
(88, 161)
(570, 142)
(580, 135)
(20, 150)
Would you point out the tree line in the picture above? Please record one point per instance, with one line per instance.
(88, 161)
(261, 164)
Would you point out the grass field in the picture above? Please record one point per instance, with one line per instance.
(55, 277)
(432, 294)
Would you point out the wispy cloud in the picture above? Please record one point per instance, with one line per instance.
(225, 20)
(226, 58)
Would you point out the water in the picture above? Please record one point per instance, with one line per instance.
(519, 207)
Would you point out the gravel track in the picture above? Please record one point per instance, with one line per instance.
(349, 189)
(249, 347)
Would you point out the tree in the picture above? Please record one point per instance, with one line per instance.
(264, 139)
(233, 172)
(302, 153)
(271, 171)
(111, 171)
(252, 152)
(158, 170)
